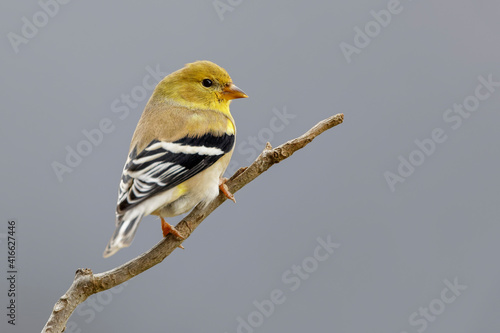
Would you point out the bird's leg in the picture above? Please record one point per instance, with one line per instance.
(168, 229)
(223, 188)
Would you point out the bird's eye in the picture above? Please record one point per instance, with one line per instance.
(207, 83)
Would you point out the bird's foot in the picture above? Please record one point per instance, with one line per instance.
(168, 229)
(223, 188)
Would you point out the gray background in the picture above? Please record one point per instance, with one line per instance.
(396, 247)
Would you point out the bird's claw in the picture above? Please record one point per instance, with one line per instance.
(168, 229)
(223, 188)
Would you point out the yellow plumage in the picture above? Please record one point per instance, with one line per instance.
(180, 149)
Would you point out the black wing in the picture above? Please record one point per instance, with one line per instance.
(164, 165)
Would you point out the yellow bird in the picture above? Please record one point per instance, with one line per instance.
(179, 151)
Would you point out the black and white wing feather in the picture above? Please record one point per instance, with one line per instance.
(164, 165)
(157, 168)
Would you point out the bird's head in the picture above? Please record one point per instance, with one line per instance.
(199, 85)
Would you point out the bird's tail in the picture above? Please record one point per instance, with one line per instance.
(124, 233)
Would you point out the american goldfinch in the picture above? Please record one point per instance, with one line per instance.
(179, 151)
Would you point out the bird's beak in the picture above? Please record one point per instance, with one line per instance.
(232, 92)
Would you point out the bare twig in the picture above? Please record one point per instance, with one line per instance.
(86, 283)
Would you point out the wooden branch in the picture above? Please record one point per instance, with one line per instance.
(86, 283)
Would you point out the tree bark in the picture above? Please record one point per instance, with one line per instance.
(86, 283)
